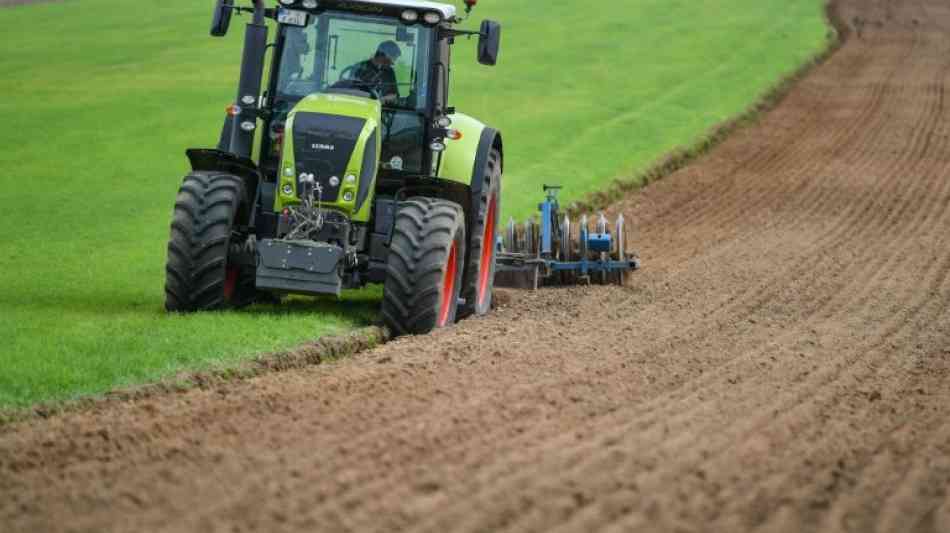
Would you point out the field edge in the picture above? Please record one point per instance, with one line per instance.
(315, 352)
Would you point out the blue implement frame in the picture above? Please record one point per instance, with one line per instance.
(544, 263)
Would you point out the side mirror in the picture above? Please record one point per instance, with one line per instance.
(489, 41)
(221, 18)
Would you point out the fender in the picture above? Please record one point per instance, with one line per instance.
(210, 160)
(490, 139)
(464, 160)
(453, 191)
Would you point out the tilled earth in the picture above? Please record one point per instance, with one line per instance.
(782, 363)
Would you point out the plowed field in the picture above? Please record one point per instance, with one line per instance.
(782, 363)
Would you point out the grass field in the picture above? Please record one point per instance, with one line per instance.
(101, 97)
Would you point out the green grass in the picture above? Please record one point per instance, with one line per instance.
(101, 97)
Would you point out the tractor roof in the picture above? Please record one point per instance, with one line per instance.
(448, 11)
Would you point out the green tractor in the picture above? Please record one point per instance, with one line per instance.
(362, 172)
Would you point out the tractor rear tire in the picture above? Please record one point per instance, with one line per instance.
(424, 266)
(479, 281)
(198, 274)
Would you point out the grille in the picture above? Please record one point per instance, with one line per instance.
(323, 145)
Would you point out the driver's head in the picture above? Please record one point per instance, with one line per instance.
(387, 53)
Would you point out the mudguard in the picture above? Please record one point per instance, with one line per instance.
(464, 160)
(211, 160)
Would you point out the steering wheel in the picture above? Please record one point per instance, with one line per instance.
(349, 81)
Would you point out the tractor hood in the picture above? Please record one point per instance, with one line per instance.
(334, 137)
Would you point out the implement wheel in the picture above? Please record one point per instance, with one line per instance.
(479, 279)
(424, 266)
(198, 274)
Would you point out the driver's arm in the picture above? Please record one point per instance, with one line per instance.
(388, 87)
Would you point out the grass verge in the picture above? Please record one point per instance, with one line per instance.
(316, 352)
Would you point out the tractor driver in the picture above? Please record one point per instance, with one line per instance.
(377, 72)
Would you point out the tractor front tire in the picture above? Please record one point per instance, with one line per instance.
(198, 274)
(424, 266)
(480, 267)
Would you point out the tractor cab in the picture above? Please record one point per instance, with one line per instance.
(354, 55)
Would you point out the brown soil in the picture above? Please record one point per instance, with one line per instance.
(781, 364)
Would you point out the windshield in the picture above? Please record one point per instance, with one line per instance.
(375, 56)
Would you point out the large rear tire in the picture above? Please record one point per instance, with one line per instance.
(198, 274)
(424, 266)
(479, 281)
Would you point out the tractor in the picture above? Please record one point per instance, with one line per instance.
(347, 166)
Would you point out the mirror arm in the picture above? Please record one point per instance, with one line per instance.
(258, 10)
(457, 33)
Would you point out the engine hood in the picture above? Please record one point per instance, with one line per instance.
(332, 136)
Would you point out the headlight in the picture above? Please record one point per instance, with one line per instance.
(310, 4)
(286, 2)
(410, 15)
(432, 18)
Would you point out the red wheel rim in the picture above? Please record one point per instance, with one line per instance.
(448, 285)
(230, 282)
(488, 251)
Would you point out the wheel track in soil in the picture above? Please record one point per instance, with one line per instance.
(761, 373)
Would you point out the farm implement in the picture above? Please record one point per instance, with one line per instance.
(555, 251)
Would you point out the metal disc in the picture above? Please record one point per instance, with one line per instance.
(529, 236)
(583, 231)
(567, 249)
(509, 237)
(604, 256)
(582, 237)
(565, 244)
(620, 234)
